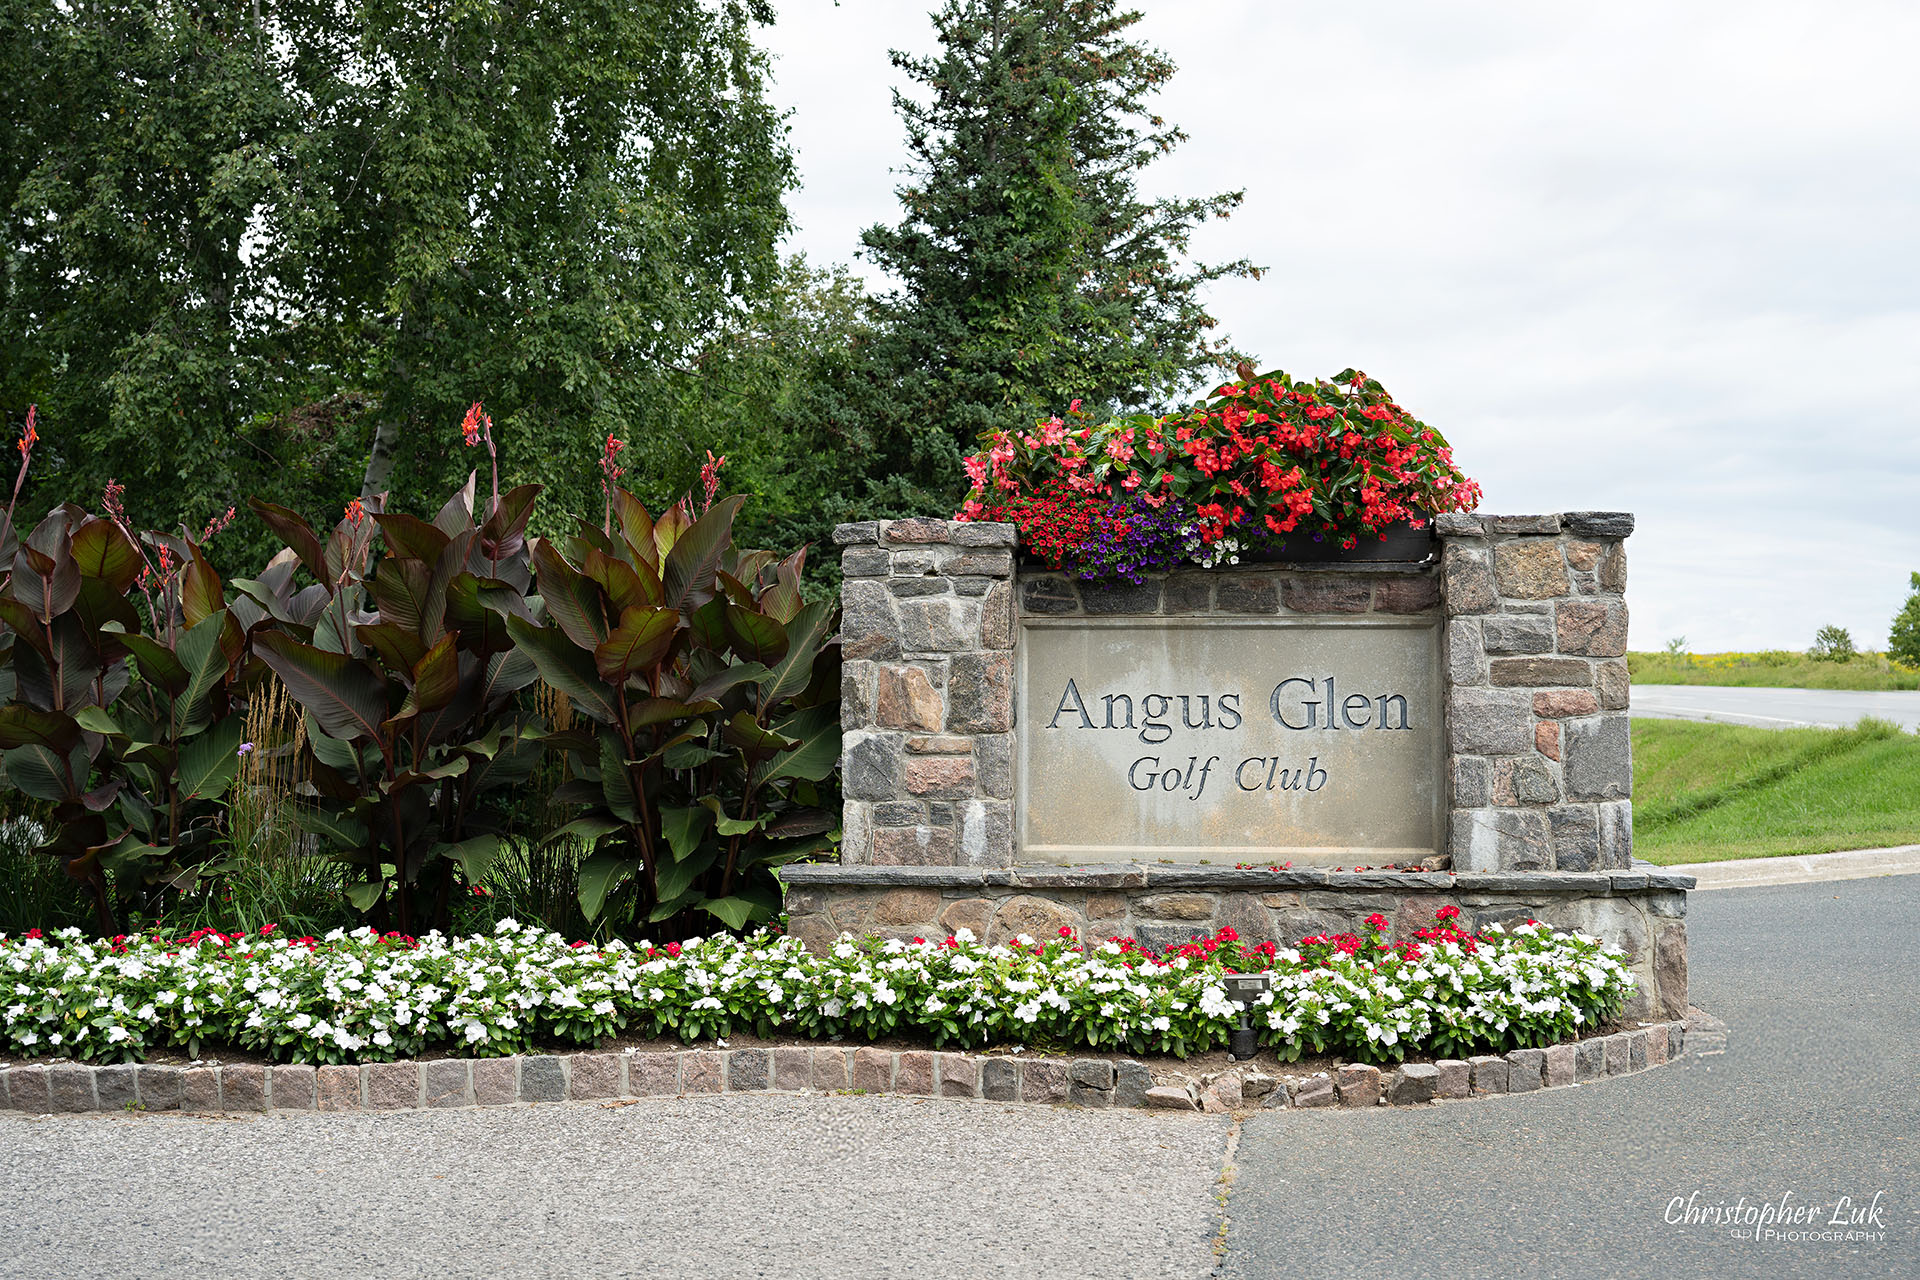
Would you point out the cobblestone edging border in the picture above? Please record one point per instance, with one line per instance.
(579, 1077)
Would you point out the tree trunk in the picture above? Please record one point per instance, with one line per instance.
(386, 437)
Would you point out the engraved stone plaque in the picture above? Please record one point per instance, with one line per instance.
(1224, 740)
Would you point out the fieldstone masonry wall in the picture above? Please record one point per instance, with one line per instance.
(1535, 650)
(1538, 759)
(926, 711)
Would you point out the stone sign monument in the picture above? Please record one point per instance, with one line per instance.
(1285, 748)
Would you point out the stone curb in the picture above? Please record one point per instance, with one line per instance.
(582, 1077)
(1806, 868)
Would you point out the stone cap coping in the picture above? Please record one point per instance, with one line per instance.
(1157, 875)
(1585, 524)
(210, 1088)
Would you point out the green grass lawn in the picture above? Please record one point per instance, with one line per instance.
(1772, 669)
(1708, 792)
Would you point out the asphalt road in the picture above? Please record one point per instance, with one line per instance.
(1774, 708)
(1814, 1098)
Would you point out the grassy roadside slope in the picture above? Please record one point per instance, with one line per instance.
(1773, 669)
(1708, 792)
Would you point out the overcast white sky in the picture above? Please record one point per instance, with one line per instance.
(1654, 257)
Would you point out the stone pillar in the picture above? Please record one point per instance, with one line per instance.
(1540, 762)
(927, 695)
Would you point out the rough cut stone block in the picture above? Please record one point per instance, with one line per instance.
(917, 530)
(1613, 570)
(959, 1075)
(981, 533)
(27, 1090)
(1043, 1081)
(980, 693)
(1188, 593)
(113, 1088)
(1453, 1079)
(1527, 780)
(543, 1078)
(1095, 1073)
(393, 1086)
(1413, 1082)
(1676, 1040)
(1321, 595)
(1000, 1080)
(873, 1070)
(1359, 1085)
(293, 1088)
(1175, 906)
(70, 1087)
(1523, 524)
(443, 1082)
(865, 562)
(1599, 524)
(1589, 1060)
(1048, 596)
(913, 1073)
(1657, 1045)
(1406, 595)
(1466, 654)
(1637, 1049)
(853, 534)
(1467, 581)
(243, 1087)
(1561, 1065)
(1517, 633)
(748, 1071)
(703, 1071)
(906, 699)
(832, 1069)
(200, 1088)
(1526, 1070)
(791, 1068)
(594, 1075)
(655, 1074)
(1131, 1082)
(1494, 722)
(1530, 569)
(1120, 599)
(869, 623)
(1576, 837)
(1614, 683)
(1247, 595)
(496, 1081)
(1670, 969)
(1558, 704)
(996, 617)
(1536, 673)
(1595, 628)
(158, 1087)
(1315, 1091)
(1546, 739)
(1500, 840)
(1616, 847)
(1619, 1054)
(940, 777)
(1490, 1074)
(1599, 758)
(1168, 1097)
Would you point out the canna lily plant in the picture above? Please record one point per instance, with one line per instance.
(405, 671)
(710, 689)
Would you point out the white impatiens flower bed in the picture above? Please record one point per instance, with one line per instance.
(364, 997)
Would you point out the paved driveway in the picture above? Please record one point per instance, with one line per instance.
(1774, 708)
(1815, 1098)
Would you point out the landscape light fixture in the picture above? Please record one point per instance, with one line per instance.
(1243, 989)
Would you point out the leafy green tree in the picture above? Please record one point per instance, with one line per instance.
(1031, 271)
(280, 248)
(1903, 637)
(1832, 644)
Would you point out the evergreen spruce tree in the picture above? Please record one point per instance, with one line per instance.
(1031, 272)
